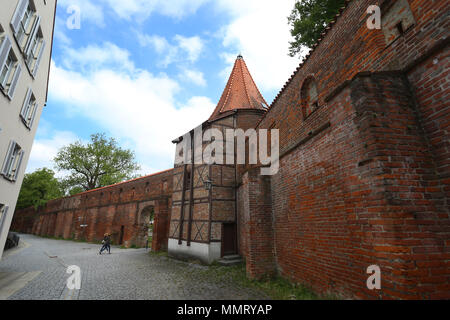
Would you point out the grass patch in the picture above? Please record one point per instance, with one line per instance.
(277, 288)
(158, 253)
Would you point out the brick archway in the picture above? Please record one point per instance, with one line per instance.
(146, 222)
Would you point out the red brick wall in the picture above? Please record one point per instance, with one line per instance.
(430, 84)
(361, 191)
(364, 179)
(350, 47)
(105, 210)
(255, 225)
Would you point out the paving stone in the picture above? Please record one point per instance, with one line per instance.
(125, 274)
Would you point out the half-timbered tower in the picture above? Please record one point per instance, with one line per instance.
(204, 211)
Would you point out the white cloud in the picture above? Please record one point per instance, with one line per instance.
(181, 50)
(45, 149)
(96, 57)
(193, 46)
(89, 11)
(193, 76)
(259, 30)
(160, 44)
(60, 34)
(136, 106)
(142, 9)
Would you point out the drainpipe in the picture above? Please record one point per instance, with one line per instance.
(180, 241)
(191, 198)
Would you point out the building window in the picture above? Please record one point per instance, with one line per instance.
(34, 52)
(7, 68)
(28, 33)
(10, 68)
(3, 213)
(25, 26)
(12, 162)
(29, 109)
(309, 97)
(24, 22)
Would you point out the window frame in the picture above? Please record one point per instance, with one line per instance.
(9, 66)
(3, 214)
(23, 27)
(12, 162)
(11, 77)
(34, 57)
(29, 109)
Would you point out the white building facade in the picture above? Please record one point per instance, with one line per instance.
(26, 37)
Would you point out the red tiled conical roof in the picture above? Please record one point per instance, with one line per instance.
(240, 92)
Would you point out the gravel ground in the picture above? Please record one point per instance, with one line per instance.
(125, 274)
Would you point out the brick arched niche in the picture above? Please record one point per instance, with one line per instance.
(152, 214)
(145, 216)
(147, 219)
(309, 96)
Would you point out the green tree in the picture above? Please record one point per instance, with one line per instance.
(38, 188)
(75, 190)
(308, 20)
(96, 164)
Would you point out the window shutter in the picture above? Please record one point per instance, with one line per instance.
(30, 124)
(5, 47)
(3, 216)
(18, 15)
(14, 81)
(38, 61)
(24, 111)
(32, 36)
(16, 173)
(7, 161)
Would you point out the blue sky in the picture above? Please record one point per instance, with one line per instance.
(147, 71)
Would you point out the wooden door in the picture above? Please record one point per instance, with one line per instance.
(229, 239)
(122, 229)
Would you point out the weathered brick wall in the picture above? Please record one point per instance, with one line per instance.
(430, 86)
(211, 209)
(255, 225)
(364, 179)
(115, 209)
(361, 190)
(348, 48)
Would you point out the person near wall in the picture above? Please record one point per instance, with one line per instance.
(106, 243)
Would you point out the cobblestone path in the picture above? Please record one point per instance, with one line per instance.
(37, 270)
